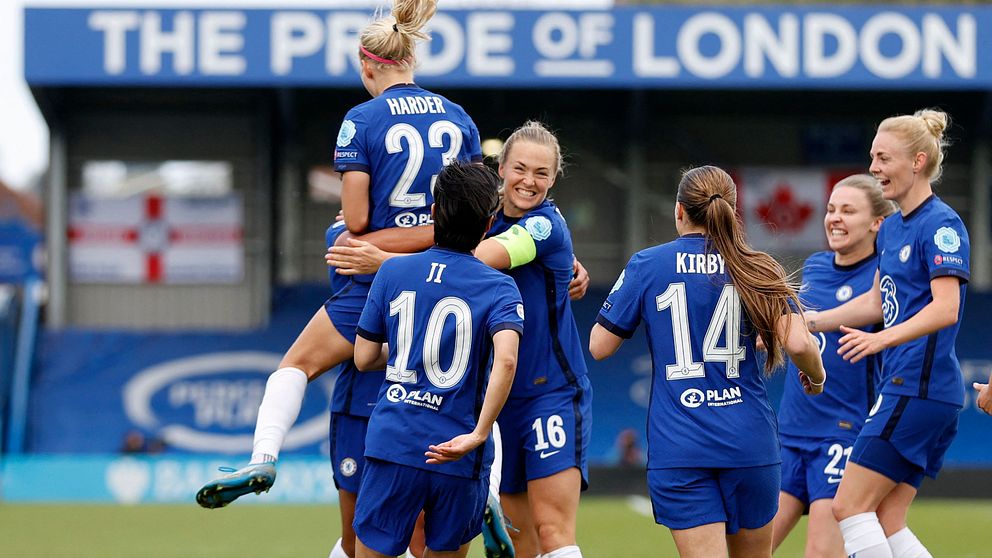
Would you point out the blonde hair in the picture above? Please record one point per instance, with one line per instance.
(880, 207)
(394, 37)
(709, 198)
(534, 132)
(922, 132)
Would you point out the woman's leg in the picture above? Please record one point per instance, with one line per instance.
(704, 541)
(790, 509)
(554, 504)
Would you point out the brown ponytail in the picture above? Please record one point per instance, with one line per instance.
(709, 198)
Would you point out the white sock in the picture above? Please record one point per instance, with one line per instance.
(409, 554)
(280, 406)
(496, 471)
(904, 544)
(863, 537)
(564, 552)
(338, 551)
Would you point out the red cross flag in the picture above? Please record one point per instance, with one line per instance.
(152, 239)
(783, 207)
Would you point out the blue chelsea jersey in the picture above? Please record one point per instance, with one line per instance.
(355, 392)
(842, 407)
(438, 311)
(551, 355)
(929, 242)
(709, 407)
(401, 139)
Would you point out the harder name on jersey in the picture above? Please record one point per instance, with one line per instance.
(415, 105)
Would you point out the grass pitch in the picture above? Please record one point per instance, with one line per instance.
(608, 527)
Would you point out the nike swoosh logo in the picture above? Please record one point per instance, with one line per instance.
(548, 454)
(833, 480)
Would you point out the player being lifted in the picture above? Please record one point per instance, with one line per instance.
(442, 312)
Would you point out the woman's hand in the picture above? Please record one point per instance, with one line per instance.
(856, 344)
(808, 386)
(357, 258)
(454, 449)
(580, 281)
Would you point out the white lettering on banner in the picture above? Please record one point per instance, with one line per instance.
(582, 37)
(758, 44)
(156, 42)
(343, 31)
(294, 35)
(691, 34)
(492, 37)
(115, 26)
(219, 39)
(923, 46)
(782, 50)
(939, 43)
(452, 39)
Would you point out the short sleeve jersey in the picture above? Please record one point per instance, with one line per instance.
(551, 355)
(401, 139)
(842, 407)
(929, 242)
(709, 406)
(438, 311)
(355, 392)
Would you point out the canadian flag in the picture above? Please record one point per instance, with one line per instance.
(783, 207)
(153, 239)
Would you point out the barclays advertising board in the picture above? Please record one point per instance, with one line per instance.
(665, 47)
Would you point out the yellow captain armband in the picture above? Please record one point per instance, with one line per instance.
(519, 245)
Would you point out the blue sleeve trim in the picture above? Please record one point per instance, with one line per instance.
(345, 167)
(477, 158)
(613, 328)
(961, 274)
(373, 337)
(506, 325)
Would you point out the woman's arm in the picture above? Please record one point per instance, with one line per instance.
(864, 310)
(603, 343)
(803, 350)
(355, 200)
(364, 254)
(940, 313)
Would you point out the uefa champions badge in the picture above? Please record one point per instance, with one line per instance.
(346, 134)
(890, 306)
(904, 253)
(947, 240)
(539, 227)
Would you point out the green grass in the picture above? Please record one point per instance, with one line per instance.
(608, 527)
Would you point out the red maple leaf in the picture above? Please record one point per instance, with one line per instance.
(782, 212)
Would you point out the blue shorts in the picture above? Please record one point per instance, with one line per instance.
(812, 467)
(906, 437)
(344, 308)
(392, 496)
(348, 450)
(743, 498)
(546, 434)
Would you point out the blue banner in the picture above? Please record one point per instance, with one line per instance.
(151, 480)
(18, 243)
(878, 47)
(199, 393)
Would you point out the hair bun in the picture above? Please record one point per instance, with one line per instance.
(936, 121)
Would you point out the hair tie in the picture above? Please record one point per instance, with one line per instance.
(379, 59)
(715, 196)
(396, 29)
